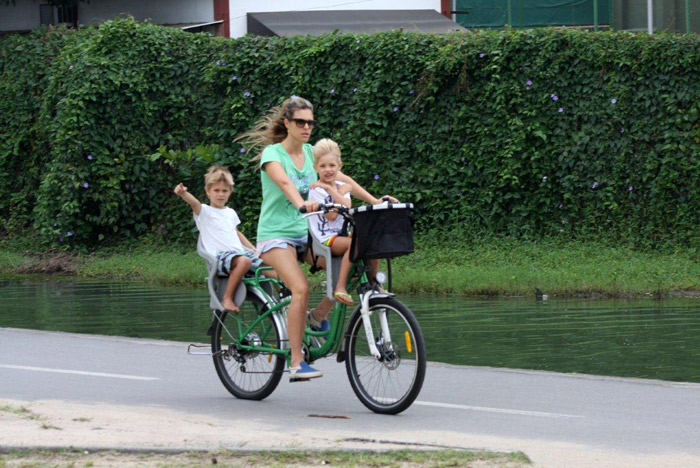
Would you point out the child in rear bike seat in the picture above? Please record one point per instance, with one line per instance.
(327, 228)
(218, 227)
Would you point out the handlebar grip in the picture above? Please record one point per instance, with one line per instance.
(302, 209)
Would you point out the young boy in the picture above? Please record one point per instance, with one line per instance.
(218, 227)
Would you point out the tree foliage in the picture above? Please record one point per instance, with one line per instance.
(527, 133)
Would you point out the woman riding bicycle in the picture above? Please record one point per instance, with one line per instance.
(286, 173)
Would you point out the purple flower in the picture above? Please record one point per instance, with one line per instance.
(354, 90)
(561, 205)
(294, 96)
(528, 83)
(613, 101)
(332, 90)
(554, 97)
(622, 130)
(544, 179)
(412, 91)
(218, 62)
(242, 150)
(357, 41)
(595, 185)
(60, 239)
(376, 176)
(55, 223)
(69, 233)
(86, 185)
(70, 68)
(234, 78)
(250, 102)
(630, 188)
(561, 109)
(482, 55)
(90, 157)
(396, 109)
(246, 94)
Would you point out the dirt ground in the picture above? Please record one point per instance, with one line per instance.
(62, 434)
(73, 434)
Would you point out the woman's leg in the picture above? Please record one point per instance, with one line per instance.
(239, 267)
(284, 261)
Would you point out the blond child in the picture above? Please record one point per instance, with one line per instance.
(218, 227)
(327, 228)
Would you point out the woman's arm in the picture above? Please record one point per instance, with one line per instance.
(276, 173)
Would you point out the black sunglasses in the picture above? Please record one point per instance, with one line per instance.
(301, 123)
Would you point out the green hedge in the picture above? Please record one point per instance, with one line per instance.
(527, 133)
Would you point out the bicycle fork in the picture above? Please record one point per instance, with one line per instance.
(383, 323)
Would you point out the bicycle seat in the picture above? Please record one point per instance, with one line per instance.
(217, 284)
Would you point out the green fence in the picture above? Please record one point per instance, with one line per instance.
(530, 13)
(680, 16)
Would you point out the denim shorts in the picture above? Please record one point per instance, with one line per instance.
(299, 243)
(224, 259)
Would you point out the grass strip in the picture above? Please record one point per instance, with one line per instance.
(487, 267)
(341, 458)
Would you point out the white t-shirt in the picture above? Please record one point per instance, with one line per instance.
(321, 227)
(217, 226)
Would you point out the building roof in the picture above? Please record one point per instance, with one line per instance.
(295, 23)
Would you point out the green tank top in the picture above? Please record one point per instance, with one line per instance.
(278, 217)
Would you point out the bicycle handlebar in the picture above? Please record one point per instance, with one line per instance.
(325, 208)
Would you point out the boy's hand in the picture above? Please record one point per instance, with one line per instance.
(180, 189)
(387, 198)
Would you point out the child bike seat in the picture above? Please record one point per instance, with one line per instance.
(217, 284)
(332, 272)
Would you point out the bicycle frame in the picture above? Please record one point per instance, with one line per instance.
(278, 309)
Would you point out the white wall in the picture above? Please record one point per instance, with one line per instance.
(22, 16)
(239, 8)
(160, 11)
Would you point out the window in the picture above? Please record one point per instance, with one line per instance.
(50, 14)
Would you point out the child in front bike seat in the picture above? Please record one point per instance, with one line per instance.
(328, 227)
(218, 228)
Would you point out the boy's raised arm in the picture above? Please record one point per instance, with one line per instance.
(181, 191)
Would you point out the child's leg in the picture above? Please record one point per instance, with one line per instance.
(344, 272)
(341, 246)
(239, 267)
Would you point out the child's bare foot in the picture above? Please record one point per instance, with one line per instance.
(229, 305)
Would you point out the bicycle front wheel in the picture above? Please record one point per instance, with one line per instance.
(387, 384)
(250, 375)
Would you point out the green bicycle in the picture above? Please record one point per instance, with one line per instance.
(381, 343)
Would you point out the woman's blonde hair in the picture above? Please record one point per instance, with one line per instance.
(216, 174)
(270, 129)
(326, 146)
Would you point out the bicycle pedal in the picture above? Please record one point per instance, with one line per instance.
(340, 357)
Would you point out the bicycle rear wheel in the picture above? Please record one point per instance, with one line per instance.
(388, 384)
(249, 375)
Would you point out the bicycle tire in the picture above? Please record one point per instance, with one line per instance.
(247, 375)
(391, 383)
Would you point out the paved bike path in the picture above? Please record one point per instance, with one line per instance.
(97, 391)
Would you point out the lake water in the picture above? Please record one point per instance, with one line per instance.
(647, 338)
